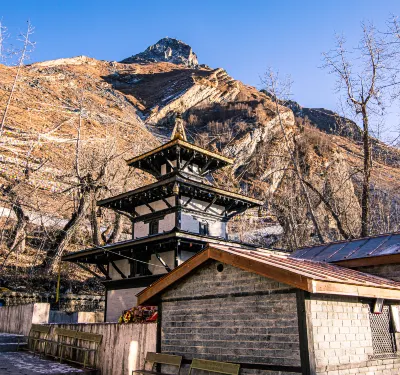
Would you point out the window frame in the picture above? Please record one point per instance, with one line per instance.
(153, 223)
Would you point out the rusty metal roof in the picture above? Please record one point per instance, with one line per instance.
(312, 269)
(308, 275)
(382, 245)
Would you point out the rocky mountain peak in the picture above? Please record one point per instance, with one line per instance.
(166, 50)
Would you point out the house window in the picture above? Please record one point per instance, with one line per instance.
(383, 340)
(203, 228)
(153, 227)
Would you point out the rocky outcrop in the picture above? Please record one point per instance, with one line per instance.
(166, 50)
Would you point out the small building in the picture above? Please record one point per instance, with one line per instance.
(172, 219)
(276, 314)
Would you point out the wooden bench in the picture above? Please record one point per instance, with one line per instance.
(214, 366)
(37, 337)
(161, 359)
(70, 345)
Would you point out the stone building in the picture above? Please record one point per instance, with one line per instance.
(172, 219)
(276, 314)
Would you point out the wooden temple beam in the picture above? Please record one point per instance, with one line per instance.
(166, 202)
(89, 270)
(162, 261)
(117, 269)
(103, 271)
(203, 170)
(189, 160)
(188, 201)
(169, 162)
(211, 203)
(155, 170)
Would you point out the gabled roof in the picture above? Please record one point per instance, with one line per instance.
(311, 276)
(376, 250)
(183, 144)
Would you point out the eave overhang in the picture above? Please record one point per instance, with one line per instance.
(165, 188)
(198, 155)
(310, 276)
(102, 254)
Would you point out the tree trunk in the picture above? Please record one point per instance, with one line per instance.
(54, 256)
(19, 233)
(365, 199)
(115, 235)
(95, 223)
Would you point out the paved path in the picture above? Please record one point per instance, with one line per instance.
(21, 363)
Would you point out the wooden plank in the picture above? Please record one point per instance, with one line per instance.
(65, 332)
(214, 366)
(306, 340)
(40, 328)
(355, 290)
(94, 337)
(165, 359)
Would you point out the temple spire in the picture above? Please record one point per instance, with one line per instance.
(179, 129)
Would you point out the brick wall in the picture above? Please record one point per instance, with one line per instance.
(234, 316)
(342, 338)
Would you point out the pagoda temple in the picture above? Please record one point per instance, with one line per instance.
(172, 219)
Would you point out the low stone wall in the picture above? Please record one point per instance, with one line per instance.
(68, 302)
(19, 319)
(123, 347)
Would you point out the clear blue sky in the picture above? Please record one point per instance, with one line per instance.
(244, 37)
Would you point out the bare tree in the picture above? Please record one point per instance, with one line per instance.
(27, 47)
(271, 83)
(96, 169)
(360, 74)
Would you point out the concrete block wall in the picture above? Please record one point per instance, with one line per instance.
(342, 338)
(232, 315)
(19, 319)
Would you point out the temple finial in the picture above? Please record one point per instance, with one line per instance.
(179, 129)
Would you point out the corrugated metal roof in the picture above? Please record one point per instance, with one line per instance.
(387, 244)
(309, 275)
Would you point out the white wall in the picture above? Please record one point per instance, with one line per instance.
(195, 167)
(156, 266)
(123, 265)
(196, 204)
(120, 300)
(185, 255)
(190, 223)
(166, 224)
(19, 319)
(157, 206)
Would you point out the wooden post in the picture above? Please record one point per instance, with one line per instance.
(306, 340)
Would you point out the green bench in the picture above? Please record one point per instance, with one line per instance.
(159, 359)
(74, 346)
(37, 337)
(214, 366)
